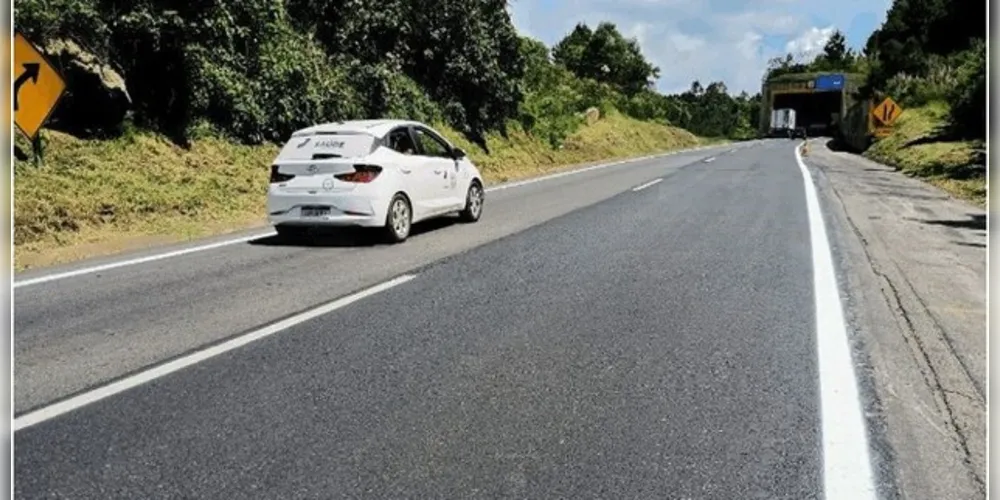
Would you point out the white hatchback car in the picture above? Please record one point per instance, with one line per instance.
(370, 173)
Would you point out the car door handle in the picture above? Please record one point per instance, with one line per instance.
(405, 171)
(438, 171)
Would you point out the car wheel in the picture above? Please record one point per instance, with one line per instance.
(399, 219)
(473, 204)
(291, 233)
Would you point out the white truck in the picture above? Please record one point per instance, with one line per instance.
(783, 123)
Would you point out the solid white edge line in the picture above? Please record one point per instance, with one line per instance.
(49, 412)
(140, 260)
(200, 248)
(648, 184)
(847, 471)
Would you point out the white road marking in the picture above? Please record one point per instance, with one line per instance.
(140, 260)
(200, 248)
(846, 466)
(709, 160)
(588, 169)
(646, 185)
(49, 412)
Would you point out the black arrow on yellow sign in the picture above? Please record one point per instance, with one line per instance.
(30, 73)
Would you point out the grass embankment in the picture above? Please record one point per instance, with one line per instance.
(93, 197)
(918, 148)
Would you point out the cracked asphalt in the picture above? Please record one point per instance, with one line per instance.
(913, 262)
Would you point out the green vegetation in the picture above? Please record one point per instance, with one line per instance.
(941, 44)
(930, 57)
(915, 150)
(98, 196)
(182, 146)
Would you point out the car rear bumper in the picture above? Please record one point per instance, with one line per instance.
(343, 210)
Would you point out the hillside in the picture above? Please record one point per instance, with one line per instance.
(174, 110)
(917, 149)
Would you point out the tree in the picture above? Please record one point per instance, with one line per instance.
(606, 56)
(538, 68)
(872, 44)
(571, 51)
(835, 51)
(836, 56)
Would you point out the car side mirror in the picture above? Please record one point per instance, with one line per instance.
(457, 153)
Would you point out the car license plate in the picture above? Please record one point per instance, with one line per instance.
(315, 211)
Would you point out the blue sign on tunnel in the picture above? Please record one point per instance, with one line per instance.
(829, 82)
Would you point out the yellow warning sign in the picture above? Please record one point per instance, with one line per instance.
(37, 87)
(887, 112)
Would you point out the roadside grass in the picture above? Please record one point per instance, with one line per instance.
(91, 198)
(919, 147)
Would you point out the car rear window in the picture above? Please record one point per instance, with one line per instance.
(345, 145)
(329, 145)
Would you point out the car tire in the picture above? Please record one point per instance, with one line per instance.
(399, 219)
(474, 198)
(291, 234)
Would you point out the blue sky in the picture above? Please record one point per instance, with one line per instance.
(709, 40)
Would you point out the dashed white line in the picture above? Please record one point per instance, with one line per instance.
(709, 159)
(49, 412)
(653, 182)
(210, 246)
(588, 169)
(846, 466)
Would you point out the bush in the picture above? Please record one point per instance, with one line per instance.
(647, 105)
(551, 116)
(917, 90)
(594, 94)
(391, 94)
(968, 97)
(293, 85)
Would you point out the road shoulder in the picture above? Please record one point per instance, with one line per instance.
(912, 262)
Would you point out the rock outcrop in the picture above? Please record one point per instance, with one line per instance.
(96, 100)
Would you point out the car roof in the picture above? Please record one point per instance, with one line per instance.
(377, 128)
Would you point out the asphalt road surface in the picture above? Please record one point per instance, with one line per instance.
(648, 330)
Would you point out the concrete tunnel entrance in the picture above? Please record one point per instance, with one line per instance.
(817, 112)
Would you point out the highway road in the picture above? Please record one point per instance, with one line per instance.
(664, 328)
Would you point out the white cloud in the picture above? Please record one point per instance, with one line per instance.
(685, 44)
(809, 44)
(765, 22)
(734, 53)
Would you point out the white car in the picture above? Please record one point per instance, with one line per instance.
(370, 173)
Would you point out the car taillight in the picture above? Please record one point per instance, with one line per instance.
(362, 173)
(278, 176)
